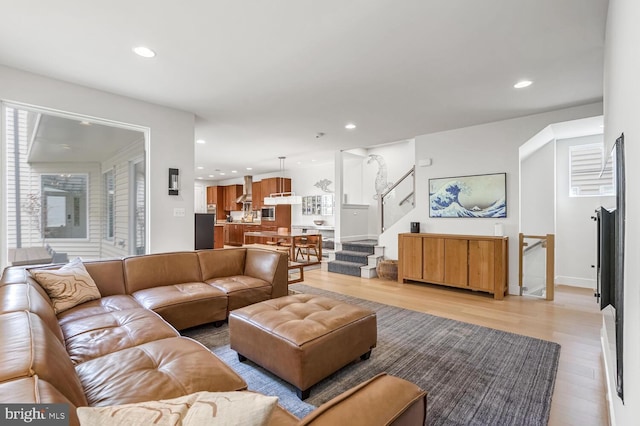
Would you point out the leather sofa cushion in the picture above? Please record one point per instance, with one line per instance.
(262, 264)
(242, 290)
(98, 307)
(25, 297)
(34, 390)
(30, 348)
(108, 276)
(222, 263)
(157, 270)
(163, 369)
(98, 335)
(185, 305)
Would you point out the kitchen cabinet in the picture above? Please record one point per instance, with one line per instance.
(231, 194)
(218, 236)
(215, 195)
(283, 216)
(256, 195)
(233, 234)
(275, 185)
(478, 263)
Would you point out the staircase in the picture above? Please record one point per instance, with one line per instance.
(357, 258)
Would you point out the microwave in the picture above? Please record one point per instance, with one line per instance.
(268, 213)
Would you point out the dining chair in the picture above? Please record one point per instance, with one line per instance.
(308, 244)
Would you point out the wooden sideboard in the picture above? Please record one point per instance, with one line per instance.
(472, 262)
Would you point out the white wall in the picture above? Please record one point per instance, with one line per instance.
(575, 230)
(486, 148)
(538, 189)
(353, 177)
(302, 183)
(171, 145)
(621, 107)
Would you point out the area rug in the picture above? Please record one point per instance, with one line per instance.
(473, 375)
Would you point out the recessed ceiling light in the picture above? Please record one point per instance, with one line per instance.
(143, 51)
(222, 173)
(350, 126)
(200, 177)
(211, 176)
(234, 171)
(313, 161)
(522, 84)
(201, 141)
(249, 168)
(85, 123)
(200, 167)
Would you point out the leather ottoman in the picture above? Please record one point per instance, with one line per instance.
(302, 338)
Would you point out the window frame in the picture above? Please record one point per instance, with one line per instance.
(602, 173)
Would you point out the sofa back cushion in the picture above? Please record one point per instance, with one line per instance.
(26, 297)
(108, 276)
(29, 348)
(155, 270)
(270, 266)
(222, 262)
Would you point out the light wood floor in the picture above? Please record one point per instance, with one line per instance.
(572, 320)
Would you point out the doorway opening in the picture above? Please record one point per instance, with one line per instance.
(74, 186)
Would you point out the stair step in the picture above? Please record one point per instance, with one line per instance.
(368, 271)
(353, 256)
(345, 268)
(366, 246)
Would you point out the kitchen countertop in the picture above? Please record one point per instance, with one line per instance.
(237, 222)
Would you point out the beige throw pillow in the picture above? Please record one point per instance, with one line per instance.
(201, 408)
(68, 286)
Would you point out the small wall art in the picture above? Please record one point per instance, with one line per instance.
(483, 196)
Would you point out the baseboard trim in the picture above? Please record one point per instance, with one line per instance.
(575, 282)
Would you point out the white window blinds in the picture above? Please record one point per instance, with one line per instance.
(591, 172)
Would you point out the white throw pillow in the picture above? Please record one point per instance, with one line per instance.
(201, 408)
(68, 286)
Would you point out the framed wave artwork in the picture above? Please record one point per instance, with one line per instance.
(482, 196)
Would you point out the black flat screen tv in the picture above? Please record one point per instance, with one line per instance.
(619, 260)
(610, 271)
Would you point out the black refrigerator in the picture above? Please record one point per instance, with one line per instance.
(205, 223)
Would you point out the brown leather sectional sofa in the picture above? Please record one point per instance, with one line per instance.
(124, 348)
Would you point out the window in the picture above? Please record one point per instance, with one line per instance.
(590, 171)
(65, 205)
(109, 214)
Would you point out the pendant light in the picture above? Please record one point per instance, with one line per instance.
(282, 197)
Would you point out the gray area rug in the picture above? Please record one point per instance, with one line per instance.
(474, 375)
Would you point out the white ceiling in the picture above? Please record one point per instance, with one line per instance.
(263, 77)
(59, 139)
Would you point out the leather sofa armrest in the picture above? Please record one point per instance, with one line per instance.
(382, 400)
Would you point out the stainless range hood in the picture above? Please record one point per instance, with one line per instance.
(246, 190)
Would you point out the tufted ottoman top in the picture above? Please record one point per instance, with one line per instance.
(301, 318)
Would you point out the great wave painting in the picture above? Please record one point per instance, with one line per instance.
(469, 196)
